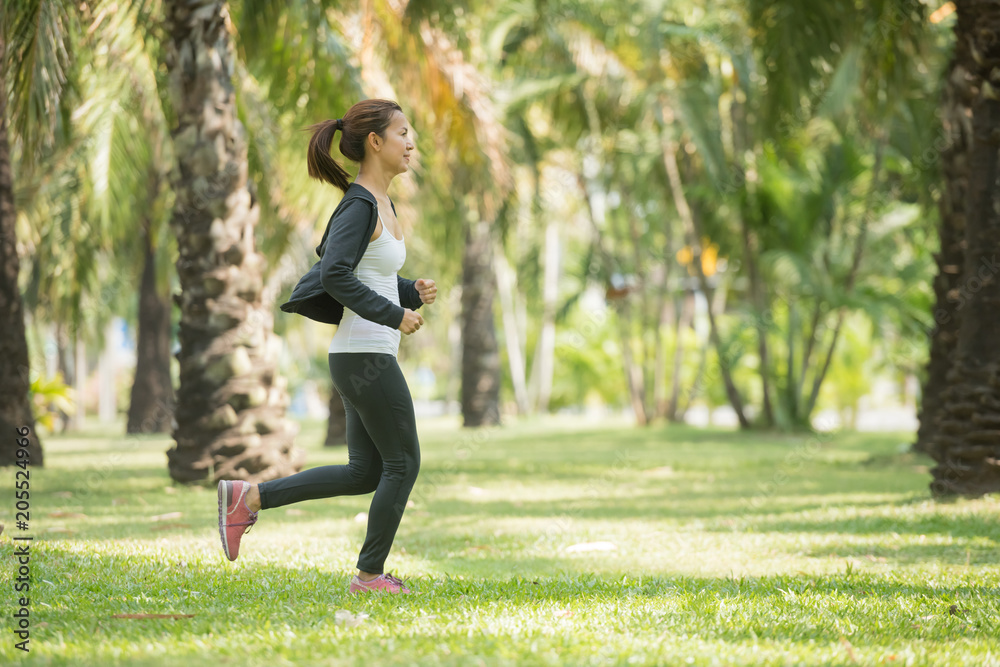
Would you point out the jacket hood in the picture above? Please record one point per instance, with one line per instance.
(354, 191)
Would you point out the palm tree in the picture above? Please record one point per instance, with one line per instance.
(35, 64)
(231, 400)
(752, 143)
(96, 213)
(480, 351)
(291, 47)
(956, 110)
(151, 406)
(444, 84)
(128, 182)
(964, 444)
(720, 117)
(15, 408)
(562, 69)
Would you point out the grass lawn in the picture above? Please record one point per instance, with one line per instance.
(540, 543)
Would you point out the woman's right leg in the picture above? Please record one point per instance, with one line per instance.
(361, 474)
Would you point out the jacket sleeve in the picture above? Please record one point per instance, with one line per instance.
(346, 234)
(409, 297)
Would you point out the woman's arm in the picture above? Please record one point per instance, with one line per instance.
(346, 234)
(408, 295)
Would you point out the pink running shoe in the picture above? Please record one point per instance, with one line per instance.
(383, 582)
(235, 517)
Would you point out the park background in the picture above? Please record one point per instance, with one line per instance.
(710, 374)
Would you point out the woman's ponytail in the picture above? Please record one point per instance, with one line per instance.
(322, 166)
(360, 121)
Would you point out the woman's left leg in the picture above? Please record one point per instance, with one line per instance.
(361, 475)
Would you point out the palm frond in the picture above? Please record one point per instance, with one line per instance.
(843, 88)
(39, 61)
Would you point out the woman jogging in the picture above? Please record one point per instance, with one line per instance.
(355, 284)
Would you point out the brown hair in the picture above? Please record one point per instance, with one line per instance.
(360, 120)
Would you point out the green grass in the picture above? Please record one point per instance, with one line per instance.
(727, 549)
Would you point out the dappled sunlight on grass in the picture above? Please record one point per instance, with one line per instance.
(529, 544)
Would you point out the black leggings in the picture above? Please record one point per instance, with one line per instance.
(383, 451)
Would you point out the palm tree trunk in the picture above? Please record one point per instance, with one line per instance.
(965, 444)
(15, 376)
(742, 138)
(633, 369)
(231, 401)
(667, 313)
(480, 352)
(811, 337)
(951, 255)
(512, 338)
(453, 386)
(683, 316)
(623, 312)
(79, 378)
(544, 364)
(759, 300)
(649, 316)
(693, 234)
(859, 249)
(697, 385)
(64, 368)
(793, 405)
(151, 408)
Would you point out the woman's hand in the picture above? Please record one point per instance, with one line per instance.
(426, 289)
(411, 321)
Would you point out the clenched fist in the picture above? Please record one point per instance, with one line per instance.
(426, 289)
(411, 321)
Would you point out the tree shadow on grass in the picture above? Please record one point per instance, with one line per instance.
(104, 478)
(914, 553)
(972, 525)
(651, 506)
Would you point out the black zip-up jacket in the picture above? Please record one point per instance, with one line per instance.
(330, 284)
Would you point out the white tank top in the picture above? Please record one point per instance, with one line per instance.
(377, 269)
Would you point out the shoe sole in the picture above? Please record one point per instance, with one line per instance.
(222, 518)
(355, 589)
(377, 591)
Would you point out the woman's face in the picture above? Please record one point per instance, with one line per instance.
(395, 152)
